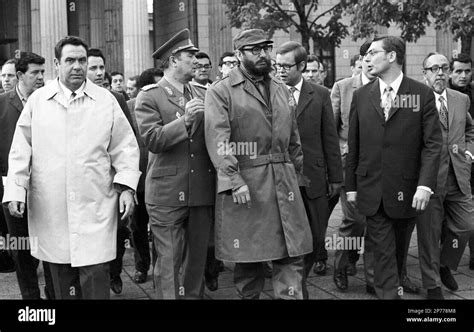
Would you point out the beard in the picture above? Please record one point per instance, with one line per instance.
(262, 67)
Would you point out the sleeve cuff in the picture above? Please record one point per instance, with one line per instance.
(225, 183)
(428, 189)
(14, 193)
(128, 178)
(468, 153)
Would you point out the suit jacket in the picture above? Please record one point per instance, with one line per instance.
(341, 97)
(387, 160)
(322, 159)
(456, 140)
(123, 105)
(180, 172)
(10, 110)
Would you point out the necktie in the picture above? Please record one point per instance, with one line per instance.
(388, 101)
(187, 94)
(292, 90)
(443, 112)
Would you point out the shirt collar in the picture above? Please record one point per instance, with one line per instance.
(87, 88)
(364, 79)
(22, 98)
(395, 85)
(298, 86)
(443, 94)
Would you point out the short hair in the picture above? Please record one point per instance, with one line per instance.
(69, 40)
(393, 44)
(225, 55)
(108, 77)
(354, 59)
(147, 77)
(134, 78)
(202, 55)
(461, 57)
(95, 52)
(115, 73)
(166, 62)
(10, 62)
(364, 47)
(26, 58)
(427, 57)
(313, 58)
(295, 47)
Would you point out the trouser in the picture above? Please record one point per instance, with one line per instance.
(389, 237)
(353, 226)
(449, 219)
(317, 210)
(288, 279)
(139, 226)
(26, 264)
(122, 243)
(90, 282)
(181, 237)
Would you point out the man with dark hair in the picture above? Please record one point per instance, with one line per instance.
(132, 89)
(149, 76)
(356, 65)
(180, 182)
(390, 117)
(311, 72)
(252, 138)
(322, 159)
(30, 71)
(227, 62)
(75, 156)
(8, 75)
(117, 84)
(203, 70)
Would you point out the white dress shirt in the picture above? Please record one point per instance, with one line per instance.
(297, 92)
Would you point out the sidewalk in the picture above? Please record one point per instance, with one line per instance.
(318, 287)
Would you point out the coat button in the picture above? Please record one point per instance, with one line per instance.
(192, 155)
(191, 140)
(192, 171)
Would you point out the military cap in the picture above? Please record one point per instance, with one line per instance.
(177, 43)
(250, 37)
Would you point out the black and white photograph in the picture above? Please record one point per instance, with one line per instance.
(227, 150)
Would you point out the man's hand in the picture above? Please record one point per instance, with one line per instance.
(242, 196)
(352, 198)
(421, 199)
(468, 158)
(334, 189)
(126, 204)
(193, 107)
(16, 209)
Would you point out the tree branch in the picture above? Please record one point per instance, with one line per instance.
(321, 15)
(288, 17)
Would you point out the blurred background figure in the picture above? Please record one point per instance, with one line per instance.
(8, 76)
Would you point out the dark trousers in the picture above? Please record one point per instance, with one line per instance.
(317, 210)
(26, 264)
(123, 235)
(90, 282)
(181, 241)
(390, 238)
(288, 279)
(449, 220)
(213, 265)
(139, 226)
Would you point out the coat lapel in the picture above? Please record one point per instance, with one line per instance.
(174, 96)
(452, 104)
(402, 93)
(375, 99)
(252, 90)
(305, 98)
(15, 101)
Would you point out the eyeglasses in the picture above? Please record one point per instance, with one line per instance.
(230, 63)
(373, 52)
(279, 66)
(199, 67)
(435, 69)
(256, 50)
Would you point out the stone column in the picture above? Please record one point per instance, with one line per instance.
(113, 35)
(49, 25)
(97, 24)
(136, 43)
(24, 25)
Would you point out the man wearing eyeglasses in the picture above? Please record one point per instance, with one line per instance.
(260, 214)
(227, 62)
(322, 158)
(203, 70)
(450, 215)
(393, 159)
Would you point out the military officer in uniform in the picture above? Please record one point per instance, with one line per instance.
(180, 183)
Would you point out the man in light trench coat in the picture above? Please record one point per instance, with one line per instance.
(253, 141)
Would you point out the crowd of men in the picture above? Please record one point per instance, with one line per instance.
(246, 169)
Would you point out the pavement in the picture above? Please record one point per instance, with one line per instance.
(319, 287)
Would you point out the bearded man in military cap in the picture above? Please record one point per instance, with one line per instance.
(180, 182)
(252, 138)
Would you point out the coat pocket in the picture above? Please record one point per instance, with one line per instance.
(164, 171)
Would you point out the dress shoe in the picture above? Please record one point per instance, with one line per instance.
(140, 277)
(370, 289)
(471, 264)
(351, 269)
(7, 265)
(434, 294)
(116, 285)
(409, 286)
(320, 268)
(212, 284)
(340, 279)
(447, 278)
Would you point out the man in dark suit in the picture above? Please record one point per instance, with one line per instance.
(322, 159)
(450, 215)
(394, 150)
(30, 70)
(180, 182)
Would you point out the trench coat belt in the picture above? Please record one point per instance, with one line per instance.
(274, 158)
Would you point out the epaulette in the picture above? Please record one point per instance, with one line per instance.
(149, 87)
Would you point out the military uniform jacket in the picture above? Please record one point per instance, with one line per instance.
(179, 171)
(268, 159)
